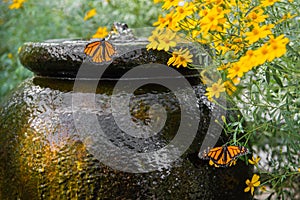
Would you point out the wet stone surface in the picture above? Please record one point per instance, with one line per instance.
(44, 156)
(60, 58)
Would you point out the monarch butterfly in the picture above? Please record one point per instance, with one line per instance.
(223, 156)
(100, 51)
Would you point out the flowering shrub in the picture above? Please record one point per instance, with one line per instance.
(255, 48)
(254, 45)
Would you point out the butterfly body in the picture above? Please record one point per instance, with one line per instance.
(223, 156)
(100, 51)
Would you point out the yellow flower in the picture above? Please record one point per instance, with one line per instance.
(167, 21)
(229, 87)
(258, 33)
(299, 169)
(189, 24)
(203, 38)
(236, 80)
(223, 66)
(173, 59)
(213, 20)
(205, 80)
(256, 16)
(161, 22)
(254, 161)
(91, 13)
(101, 33)
(180, 58)
(9, 55)
(285, 17)
(170, 3)
(16, 4)
(277, 47)
(251, 184)
(215, 90)
(262, 54)
(203, 12)
(238, 44)
(222, 47)
(248, 61)
(266, 3)
(250, 57)
(236, 69)
(263, 188)
(184, 11)
(155, 39)
(167, 40)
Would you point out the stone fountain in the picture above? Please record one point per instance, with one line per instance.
(50, 148)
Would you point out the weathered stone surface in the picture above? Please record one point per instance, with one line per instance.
(43, 156)
(63, 58)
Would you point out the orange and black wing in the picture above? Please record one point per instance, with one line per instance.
(100, 51)
(223, 156)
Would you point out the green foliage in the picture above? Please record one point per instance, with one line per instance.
(270, 102)
(265, 79)
(41, 20)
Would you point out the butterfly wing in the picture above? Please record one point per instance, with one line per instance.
(219, 156)
(100, 51)
(91, 48)
(108, 51)
(98, 56)
(236, 151)
(224, 156)
(211, 153)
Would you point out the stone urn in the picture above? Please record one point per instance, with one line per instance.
(126, 129)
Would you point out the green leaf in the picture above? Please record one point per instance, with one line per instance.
(268, 75)
(277, 66)
(277, 79)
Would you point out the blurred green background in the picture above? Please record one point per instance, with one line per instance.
(41, 20)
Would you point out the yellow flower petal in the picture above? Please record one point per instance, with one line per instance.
(248, 182)
(100, 33)
(254, 178)
(254, 160)
(247, 189)
(9, 55)
(90, 14)
(256, 184)
(263, 188)
(181, 58)
(215, 89)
